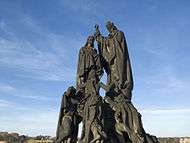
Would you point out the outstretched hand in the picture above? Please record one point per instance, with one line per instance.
(97, 30)
(96, 27)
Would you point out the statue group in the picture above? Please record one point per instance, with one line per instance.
(108, 119)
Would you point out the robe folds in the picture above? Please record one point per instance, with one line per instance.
(115, 57)
(67, 126)
(88, 74)
(89, 66)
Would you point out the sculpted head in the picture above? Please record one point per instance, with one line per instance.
(90, 41)
(110, 26)
(71, 91)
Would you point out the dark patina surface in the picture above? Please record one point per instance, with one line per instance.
(109, 119)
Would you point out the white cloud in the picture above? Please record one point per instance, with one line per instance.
(85, 11)
(21, 93)
(166, 82)
(6, 104)
(167, 122)
(36, 62)
(6, 88)
(166, 111)
(163, 84)
(27, 119)
(83, 5)
(2, 25)
(31, 122)
(33, 97)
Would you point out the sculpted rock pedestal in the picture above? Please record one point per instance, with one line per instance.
(108, 119)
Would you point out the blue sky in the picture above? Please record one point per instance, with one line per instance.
(39, 44)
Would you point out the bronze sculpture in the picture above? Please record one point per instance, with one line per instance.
(67, 129)
(113, 49)
(113, 118)
(88, 75)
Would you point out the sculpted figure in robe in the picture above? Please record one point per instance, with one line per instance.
(108, 119)
(115, 57)
(88, 75)
(67, 128)
(116, 62)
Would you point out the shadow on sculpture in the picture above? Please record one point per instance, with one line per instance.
(67, 128)
(113, 118)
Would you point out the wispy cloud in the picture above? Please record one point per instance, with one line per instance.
(6, 88)
(33, 97)
(6, 104)
(166, 82)
(86, 6)
(30, 122)
(38, 62)
(23, 93)
(166, 111)
(27, 119)
(86, 12)
(171, 121)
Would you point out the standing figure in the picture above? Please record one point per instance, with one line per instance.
(114, 53)
(115, 59)
(67, 128)
(88, 75)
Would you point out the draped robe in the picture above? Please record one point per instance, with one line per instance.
(88, 73)
(115, 58)
(67, 126)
